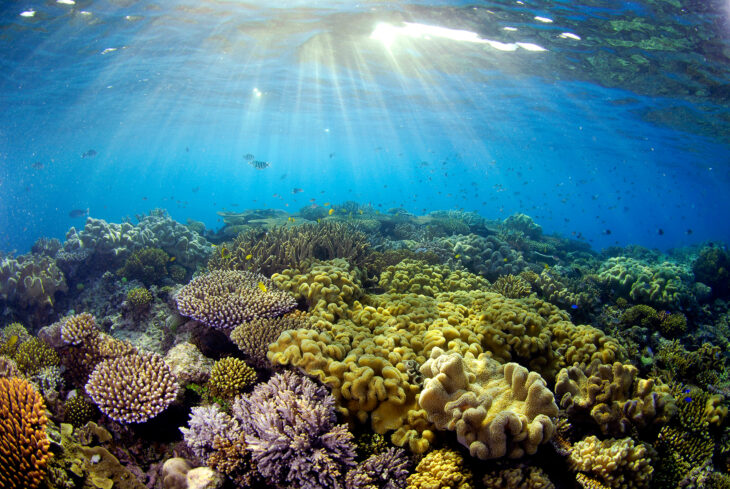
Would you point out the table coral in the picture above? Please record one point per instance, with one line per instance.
(418, 277)
(132, 388)
(327, 287)
(225, 299)
(23, 441)
(619, 464)
(613, 397)
(496, 410)
(441, 469)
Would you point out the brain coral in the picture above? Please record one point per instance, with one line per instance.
(132, 388)
(367, 357)
(328, 287)
(225, 299)
(613, 397)
(661, 285)
(496, 410)
(418, 277)
(619, 464)
(23, 442)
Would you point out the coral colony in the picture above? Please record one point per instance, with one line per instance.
(360, 350)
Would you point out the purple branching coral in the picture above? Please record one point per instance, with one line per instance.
(290, 429)
(207, 422)
(386, 470)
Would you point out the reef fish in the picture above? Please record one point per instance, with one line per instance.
(297, 190)
(259, 165)
(75, 213)
(249, 157)
(89, 154)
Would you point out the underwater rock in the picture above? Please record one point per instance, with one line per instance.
(188, 364)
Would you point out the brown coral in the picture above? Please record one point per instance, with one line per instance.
(512, 286)
(229, 377)
(132, 388)
(254, 337)
(520, 477)
(225, 299)
(23, 442)
(613, 397)
(78, 329)
(619, 464)
(441, 469)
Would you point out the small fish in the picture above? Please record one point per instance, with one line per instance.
(457, 256)
(688, 232)
(37, 165)
(331, 211)
(187, 150)
(688, 399)
(505, 260)
(225, 253)
(172, 259)
(660, 232)
(360, 212)
(259, 165)
(607, 232)
(319, 220)
(249, 157)
(687, 390)
(332, 155)
(195, 189)
(89, 154)
(76, 213)
(290, 219)
(262, 286)
(574, 306)
(249, 256)
(325, 204)
(297, 190)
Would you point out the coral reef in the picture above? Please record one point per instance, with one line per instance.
(24, 447)
(712, 268)
(225, 299)
(34, 355)
(290, 428)
(229, 377)
(520, 477)
(188, 364)
(386, 470)
(441, 469)
(148, 265)
(205, 425)
(612, 463)
(490, 257)
(132, 388)
(496, 410)
(29, 284)
(418, 277)
(78, 410)
(254, 337)
(511, 286)
(139, 298)
(613, 397)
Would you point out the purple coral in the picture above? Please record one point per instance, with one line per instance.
(207, 422)
(290, 429)
(225, 299)
(386, 470)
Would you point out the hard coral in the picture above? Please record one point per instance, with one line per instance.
(619, 464)
(148, 265)
(34, 355)
(31, 281)
(254, 337)
(386, 470)
(521, 477)
(139, 298)
(290, 428)
(132, 388)
(512, 286)
(441, 469)
(78, 329)
(496, 410)
(229, 377)
(712, 267)
(613, 397)
(418, 277)
(205, 425)
(225, 299)
(23, 441)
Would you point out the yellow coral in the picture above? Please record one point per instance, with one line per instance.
(419, 277)
(230, 376)
(441, 469)
(619, 464)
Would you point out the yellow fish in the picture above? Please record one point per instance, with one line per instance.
(331, 211)
(360, 211)
(319, 220)
(326, 204)
(290, 219)
(546, 266)
(505, 260)
(172, 258)
(262, 286)
(457, 256)
(249, 256)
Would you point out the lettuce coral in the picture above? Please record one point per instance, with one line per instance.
(496, 410)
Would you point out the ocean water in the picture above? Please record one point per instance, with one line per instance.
(604, 121)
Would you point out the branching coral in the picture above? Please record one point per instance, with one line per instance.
(496, 410)
(225, 299)
(132, 388)
(521, 477)
(23, 442)
(34, 355)
(512, 286)
(290, 429)
(254, 337)
(441, 469)
(386, 470)
(418, 277)
(613, 397)
(205, 425)
(148, 265)
(230, 376)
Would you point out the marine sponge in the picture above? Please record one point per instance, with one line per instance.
(418, 277)
(290, 428)
(23, 441)
(225, 299)
(132, 388)
(619, 464)
(441, 469)
(328, 287)
(613, 397)
(254, 337)
(230, 376)
(496, 410)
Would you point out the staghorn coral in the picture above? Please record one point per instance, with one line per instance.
(254, 337)
(613, 397)
(441, 469)
(512, 286)
(225, 299)
(386, 470)
(279, 248)
(418, 277)
(496, 410)
(230, 376)
(34, 355)
(367, 357)
(23, 441)
(328, 287)
(207, 423)
(148, 265)
(78, 329)
(290, 429)
(669, 325)
(620, 464)
(519, 477)
(132, 388)
(233, 459)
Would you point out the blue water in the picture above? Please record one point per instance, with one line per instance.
(610, 123)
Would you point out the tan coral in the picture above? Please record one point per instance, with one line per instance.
(520, 477)
(616, 464)
(613, 397)
(419, 277)
(441, 469)
(496, 410)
